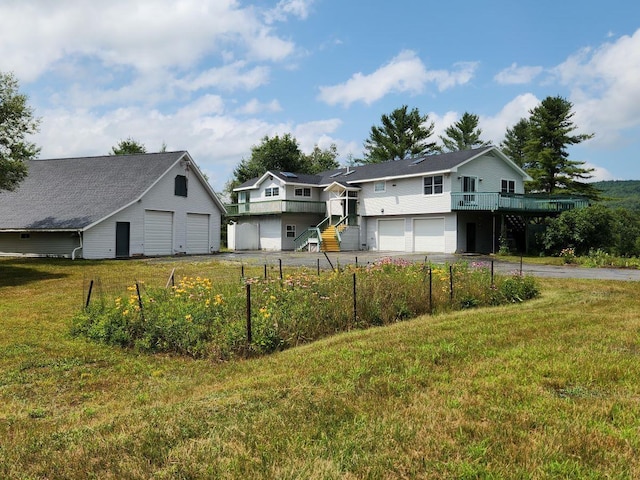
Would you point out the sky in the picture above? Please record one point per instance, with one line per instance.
(214, 77)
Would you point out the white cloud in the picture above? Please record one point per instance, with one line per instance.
(515, 75)
(494, 127)
(405, 73)
(255, 106)
(146, 35)
(599, 173)
(604, 88)
(217, 140)
(227, 77)
(286, 8)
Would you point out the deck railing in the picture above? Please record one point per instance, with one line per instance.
(512, 202)
(275, 207)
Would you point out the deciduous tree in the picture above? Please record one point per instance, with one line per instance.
(16, 123)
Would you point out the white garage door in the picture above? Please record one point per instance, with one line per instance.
(391, 235)
(428, 235)
(197, 233)
(158, 232)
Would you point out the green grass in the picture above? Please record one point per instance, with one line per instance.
(545, 389)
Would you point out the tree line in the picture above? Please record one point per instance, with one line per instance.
(537, 143)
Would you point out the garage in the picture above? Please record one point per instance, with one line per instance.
(197, 233)
(391, 235)
(428, 235)
(158, 232)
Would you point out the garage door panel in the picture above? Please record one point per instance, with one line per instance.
(391, 235)
(197, 233)
(158, 232)
(428, 235)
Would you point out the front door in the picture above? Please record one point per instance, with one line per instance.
(469, 189)
(122, 239)
(471, 237)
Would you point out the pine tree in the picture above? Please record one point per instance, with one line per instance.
(550, 133)
(402, 134)
(464, 134)
(515, 141)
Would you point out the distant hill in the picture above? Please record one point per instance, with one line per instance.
(620, 193)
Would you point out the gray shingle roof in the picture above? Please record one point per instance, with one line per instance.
(72, 193)
(397, 168)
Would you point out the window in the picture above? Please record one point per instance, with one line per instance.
(508, 186)
(302, 192)
(291, 231)
(380, 187)
(272, 192)
(433, 185)
(25, 236)
(180, 186)
(243, 197)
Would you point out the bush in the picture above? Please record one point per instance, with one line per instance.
(195, 319)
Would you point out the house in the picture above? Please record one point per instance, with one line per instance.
(466, 201)
(111, 207)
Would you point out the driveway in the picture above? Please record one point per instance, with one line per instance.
(362, 258)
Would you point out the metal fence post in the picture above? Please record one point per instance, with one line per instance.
(248, 315)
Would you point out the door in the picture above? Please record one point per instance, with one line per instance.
(197, 233)
(391, 235)
(471, 237)
(158, 232)
(428, 235)
(469, 187)
(123, 230)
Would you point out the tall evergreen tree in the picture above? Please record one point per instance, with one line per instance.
(402, 134)
(464, 134)
(515, 141)
(16, 123)
(550, 133)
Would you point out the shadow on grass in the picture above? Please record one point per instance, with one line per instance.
(13, 276)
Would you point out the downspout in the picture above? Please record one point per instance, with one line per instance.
(73, 253)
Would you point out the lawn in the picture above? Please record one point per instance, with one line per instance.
(545, 389)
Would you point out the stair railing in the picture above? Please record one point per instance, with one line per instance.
(302, 240)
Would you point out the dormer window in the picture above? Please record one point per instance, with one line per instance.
(180, 188)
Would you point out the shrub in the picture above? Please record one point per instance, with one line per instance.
(194, 318)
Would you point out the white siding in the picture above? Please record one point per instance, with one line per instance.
(404, 197)
(99, 240)
(490, 171)
(40, 243)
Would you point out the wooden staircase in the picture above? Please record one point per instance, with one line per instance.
(329, 240)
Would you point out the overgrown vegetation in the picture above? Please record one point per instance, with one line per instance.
(544, 389)
(593, 229)
(200, 319)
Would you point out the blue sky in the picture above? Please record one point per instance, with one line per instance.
(214, 77)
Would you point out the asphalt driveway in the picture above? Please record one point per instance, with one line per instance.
(362, 258)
